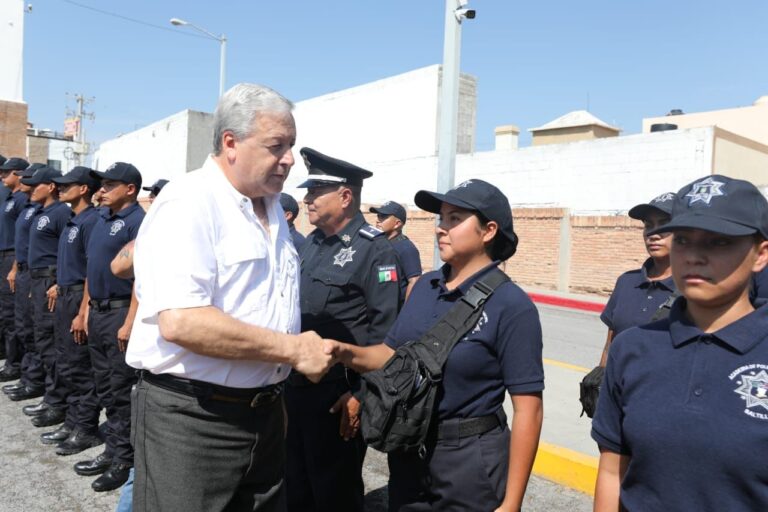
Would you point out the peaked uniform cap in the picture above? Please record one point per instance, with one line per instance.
(326, 170)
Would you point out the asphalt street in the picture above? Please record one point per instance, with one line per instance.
(34, 478)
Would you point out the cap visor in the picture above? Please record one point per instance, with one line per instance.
(30, 182)
(317, 183)
(705, 223)
(432, 201)
(64, 180)
(98, 175)
(641, 211)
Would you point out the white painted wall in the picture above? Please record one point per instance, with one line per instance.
(12, 50)
(62, 150)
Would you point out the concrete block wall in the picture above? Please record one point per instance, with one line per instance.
(13, 129)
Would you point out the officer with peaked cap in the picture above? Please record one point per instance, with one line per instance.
(350, 291)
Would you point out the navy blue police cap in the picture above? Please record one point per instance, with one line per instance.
(325, 170)
(43, 174)
(289, 204)
(156, 187)
(659, 204)
(81, 175)
(390, 208)
(121, 171)
(29, 171)
(14, 164)
(479, 196)
(719, 204)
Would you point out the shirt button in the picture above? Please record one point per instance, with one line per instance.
(645, 309)
(650, 297)
(706, 339)
(697, 391)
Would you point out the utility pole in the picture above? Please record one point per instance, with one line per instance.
(81, 147)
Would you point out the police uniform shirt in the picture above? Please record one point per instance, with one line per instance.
(73, 242)
(203, 245)
(110, 234)
(9, 212)
(44, 232)
(409, 256)
(691, 410)
(298, 238)
(350, 284)
(503, 351)
(635, 299)
(23, 224)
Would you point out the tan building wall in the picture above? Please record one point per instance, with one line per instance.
(750, 122)
(37, 148)
(740, 157)
(13, 129)
(571, 134)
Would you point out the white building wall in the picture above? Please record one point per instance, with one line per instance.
(12, 50)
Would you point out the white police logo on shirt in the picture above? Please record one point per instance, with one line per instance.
(9, 206)
(72, 234)
(480, 323)
(30, 213)
(346, 238)
(752, 380)
(116, 227)
(344, 256)
(705, 190)
(42, 222)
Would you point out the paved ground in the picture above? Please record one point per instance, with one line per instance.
(35, 479)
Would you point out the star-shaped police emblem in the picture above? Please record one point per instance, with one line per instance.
(346, 239)
(754, 389)
(705, 190)
(343, 257)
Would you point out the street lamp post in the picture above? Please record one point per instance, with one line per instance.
(222, 39)
(455, 13)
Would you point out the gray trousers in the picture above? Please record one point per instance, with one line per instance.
(197, 454)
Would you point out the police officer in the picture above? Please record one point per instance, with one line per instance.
(32, 373)
(72, 355)
(349, 291)
(390, 218)
(47, 225)
(155, 189)
(110, 321)
(9, 212)
(291, 209)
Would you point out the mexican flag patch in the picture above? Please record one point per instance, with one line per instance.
(387, 273)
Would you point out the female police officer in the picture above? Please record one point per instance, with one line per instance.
(487, 471)
(639, 294)
(683, 414)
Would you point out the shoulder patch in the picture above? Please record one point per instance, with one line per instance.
(370, 232)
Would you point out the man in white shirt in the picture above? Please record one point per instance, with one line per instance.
(218, 324)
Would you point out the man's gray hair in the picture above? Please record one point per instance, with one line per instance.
(238, 108)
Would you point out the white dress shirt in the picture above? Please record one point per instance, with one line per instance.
(201, 244)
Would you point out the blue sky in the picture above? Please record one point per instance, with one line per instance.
(534, 61)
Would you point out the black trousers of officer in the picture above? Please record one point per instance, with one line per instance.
(32, 372)
(458, 474)
(73, 363)
(11, 347)
(55, 389)
(323, 472)
(113, 380)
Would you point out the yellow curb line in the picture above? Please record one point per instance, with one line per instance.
(566, 467)
(566, 365)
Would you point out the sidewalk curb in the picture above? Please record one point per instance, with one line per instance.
(564, 302)
(566, 467)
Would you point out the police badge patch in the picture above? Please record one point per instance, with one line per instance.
(72, 234)
(343, 257)
(42, 222)
(752, 380)
(30, 213)
(116, 227)
(9, 205)
(705, 190)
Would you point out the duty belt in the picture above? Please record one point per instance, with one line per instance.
(251, 397)
(466, 427)
(64, 290)
(109, 304)
(37, 273)
(6, 252)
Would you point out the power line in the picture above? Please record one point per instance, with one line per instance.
(133, 20)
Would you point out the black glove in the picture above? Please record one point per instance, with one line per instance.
(589, 390)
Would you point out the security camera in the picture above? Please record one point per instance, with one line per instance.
(465, 13)
(29, 7)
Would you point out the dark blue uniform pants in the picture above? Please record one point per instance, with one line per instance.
(458, 475)
(113, 380)
(13, 351)
(32, 372)
(55, 391)
(323, 472)
(73, 363)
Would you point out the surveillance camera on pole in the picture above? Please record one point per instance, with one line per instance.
(464, 13)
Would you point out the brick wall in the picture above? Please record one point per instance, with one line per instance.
(38, 149)
(13, 129)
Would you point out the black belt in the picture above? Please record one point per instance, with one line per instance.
(337, 372)
(64, 290)
(37, 273)
(252, 397)
(456, 429)
(22, 266)
(5, 252)
(109, 304)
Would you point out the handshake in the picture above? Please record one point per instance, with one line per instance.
(314, 356)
